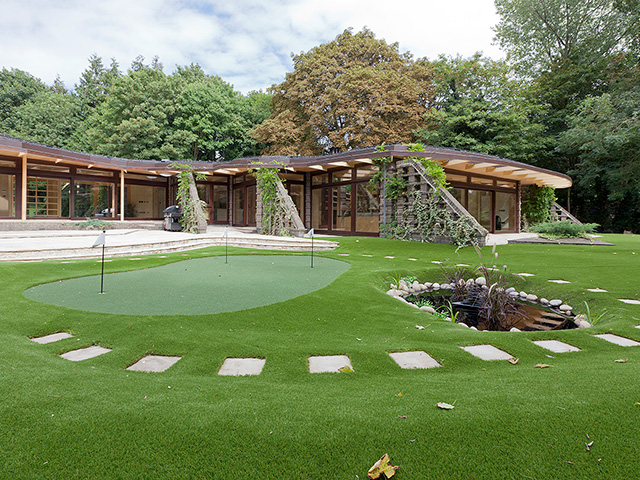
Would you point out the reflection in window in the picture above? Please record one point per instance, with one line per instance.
(320, 208)
(505, 211)
(342, 207)
(367, 209)
(479, 206)
(93, 199)
(7, 195)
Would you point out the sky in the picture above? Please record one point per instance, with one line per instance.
(246, 42)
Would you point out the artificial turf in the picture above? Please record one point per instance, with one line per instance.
(93, 419)
(193, 287)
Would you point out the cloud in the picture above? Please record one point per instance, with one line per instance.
(246, 42)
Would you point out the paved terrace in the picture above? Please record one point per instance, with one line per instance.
(33, 245)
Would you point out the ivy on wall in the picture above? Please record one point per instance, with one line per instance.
(275, 216)
(187, 196)
(536, 204)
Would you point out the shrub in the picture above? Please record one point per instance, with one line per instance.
(564, 229)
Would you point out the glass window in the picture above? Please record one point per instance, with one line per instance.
(251, 205)
(7, 195)
(297, 177)
(238, 206)
(238, 179)
(479, 206)
(320, 208)
(7, 164)
(457, 178)
(296, 192)
(48, 168)
(341, 176)
(367, 209)
(47, 197)
(458, 194)
(482, 181)
(342, 207)
(203, 193)
(217, 178)
(142, 201)
(93, 199)
(220, 203)
(505, 211)
(320, 179)
(97, 173)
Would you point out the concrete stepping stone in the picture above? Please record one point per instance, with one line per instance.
(411, 360)
(237, 367)
(629, 301)
(462, 265)
(85, 353)
(558, 281)
(618, 340)
(487, 352)
(153, 363)
(412, 259)
(436, 262)
(343, 254)
(329, 363)
(162, 256)
(367, 255)
(597, 290)
(389, 256)
(54, 337)
(556, 346)
(525, 274)
(138, 258)
(69, 261)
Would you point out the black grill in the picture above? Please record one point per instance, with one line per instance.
(172, 216)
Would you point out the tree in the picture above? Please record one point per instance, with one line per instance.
(95, 83)
(480, 107)
(48, 117)
(352, 92)
(604, 137)
(16, 88)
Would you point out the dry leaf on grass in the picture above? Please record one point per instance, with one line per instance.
(382, 466)
(542, 365)
(513, 361)
(621, 360)
(346, 368)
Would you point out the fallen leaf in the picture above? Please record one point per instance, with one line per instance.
(419, 327)
(382, 466)
(567, 461)
(621, 360)
(514, 361)
(541, 365)
(588, 445)
(445, 406)
(588, 437)
(399, 395)
(346, 368)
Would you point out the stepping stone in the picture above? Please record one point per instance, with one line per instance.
(436, 262)
(242, 366)
(487, 352)
(367, 255)
(389, 257)
(462, 265)
(597, 290)
(556, 346)
(622, 341)
(69, 261)
(135, 259)
(411, 360)
(162, 256)
(85, 353)
(54, 337)
(629, 301)
(343, 254)
(524, 274)
(412, 259)
(153, 363)
(558, 281)
(328, 363)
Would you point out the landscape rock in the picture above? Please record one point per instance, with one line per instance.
(544, 301)
(583, 324)
(427, 309)
(523, 294)
(555, 303)
(464, 325)
(513, 293)
(532, 298)
(514, 329)
(565, 308)
(481, 281)
(510, 289)
(436, 286)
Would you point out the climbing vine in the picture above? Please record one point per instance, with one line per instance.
(187, 177)
(427, 220)
(536, 203)
(275, 217)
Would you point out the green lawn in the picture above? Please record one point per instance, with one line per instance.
(94, 419)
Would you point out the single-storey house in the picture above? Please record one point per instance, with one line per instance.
(329, 192)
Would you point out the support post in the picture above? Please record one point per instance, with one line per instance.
(122, 195)
(23, 196)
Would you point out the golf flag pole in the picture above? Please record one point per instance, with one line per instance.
(226, 243)
(101, 241)
(311, 235)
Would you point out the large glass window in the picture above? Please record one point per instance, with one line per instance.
(479, 206)
(47, 197)
(7, 195)
(142, 201)
(220, 203)
(342, 207)
(505, 211)
(367, 209)
(251, 205)
(320, 208)
(238, 206)
(296, 192)
(93, 199)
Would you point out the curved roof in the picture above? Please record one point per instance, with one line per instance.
(453, 160)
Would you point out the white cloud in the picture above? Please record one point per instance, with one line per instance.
(246, 42)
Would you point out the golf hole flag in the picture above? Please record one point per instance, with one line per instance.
(99, 241)
(311, 233)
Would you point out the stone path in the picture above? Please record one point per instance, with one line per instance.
(323, 363)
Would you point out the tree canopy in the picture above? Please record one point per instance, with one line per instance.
(352, 92)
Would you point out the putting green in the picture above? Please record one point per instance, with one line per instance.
(194, 287)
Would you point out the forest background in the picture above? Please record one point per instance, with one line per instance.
(566, 98)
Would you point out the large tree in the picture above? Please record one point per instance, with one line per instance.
(16, 88)
(352, 92)
(480, 107)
